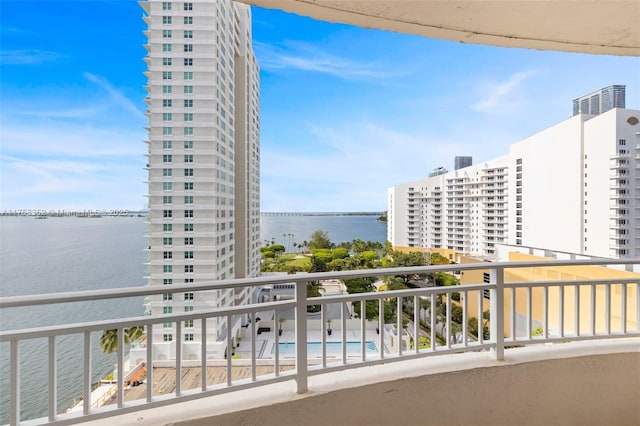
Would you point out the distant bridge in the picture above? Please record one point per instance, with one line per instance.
(321, 213)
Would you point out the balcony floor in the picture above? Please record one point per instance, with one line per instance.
(589, 382)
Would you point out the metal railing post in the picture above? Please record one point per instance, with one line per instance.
(497, 312)
(301, 336)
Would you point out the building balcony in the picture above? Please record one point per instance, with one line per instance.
(449, 365)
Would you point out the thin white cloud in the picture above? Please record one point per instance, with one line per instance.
(52, 183)
(299, 56)
(71, 140)
(502, 95)
(28, 57)
(114, 93)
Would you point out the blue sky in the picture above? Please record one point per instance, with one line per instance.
(346, 112)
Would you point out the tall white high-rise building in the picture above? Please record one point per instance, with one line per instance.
(573, 188)
(203, 163)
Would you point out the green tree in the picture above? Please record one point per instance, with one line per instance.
(340, 253)
(318, 265)
(404, 260)
(438, 259)
(277, 249)
(313, 290)
(358, 246)
(109, 338)
(446, 279)
(338, 265)
(320, 240)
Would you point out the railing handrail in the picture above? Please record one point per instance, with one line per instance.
(496, 290)
(87, 295)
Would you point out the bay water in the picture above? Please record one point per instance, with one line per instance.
(75, 254)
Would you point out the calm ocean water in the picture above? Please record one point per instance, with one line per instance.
(72, 254)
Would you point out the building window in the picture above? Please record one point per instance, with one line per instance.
(167, 103)
(167, 47)
(167, 144)
(188, 296)
(188, 158)
(188, 75)
(167, 309)
(188, 308)
(167, 255)
(167, 90)
(166, 33)
(167, 269)
(188, 131)
(188, 103)
(166, 5)
(167, 241)
(188, 34)
(188, 186)
(167, 337)
(167, 227)
(167, 116)
(188, 144)
(167, 297)
(188, 199)
(188, 20)
(622, 142)
(167, 281)
(167, 325)
(188, 324)
(188, 62)
(188, 89)
(167, 214)
(188, 116)
(188, 213)
(167, 172)
(188, 337)
(167, 186)
(167, 75)
(188, 255)
(188, 172)
(188, 241)
(188, 6)
(188, 269)
(166, 20)
(167, 62)
(188, 227)
(167, 199)
(167, 158)
(188, 47)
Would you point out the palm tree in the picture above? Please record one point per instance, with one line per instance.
(109, 341)
(134, 333)
(109, 338)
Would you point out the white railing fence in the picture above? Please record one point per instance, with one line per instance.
(411, 323)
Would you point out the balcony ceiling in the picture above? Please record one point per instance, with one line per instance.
(597, 26)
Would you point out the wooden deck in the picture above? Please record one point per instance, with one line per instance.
(164, 379)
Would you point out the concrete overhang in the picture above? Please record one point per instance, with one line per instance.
(609, 27)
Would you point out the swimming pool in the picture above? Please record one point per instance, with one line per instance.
(333, 348)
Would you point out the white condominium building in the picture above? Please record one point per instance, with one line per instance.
(464, 210)
(203, 163)
(574, 187)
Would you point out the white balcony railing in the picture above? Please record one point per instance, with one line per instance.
(601, 309)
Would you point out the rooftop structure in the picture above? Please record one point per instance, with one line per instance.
(438, 171)
(600, 101)
(460, 162)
